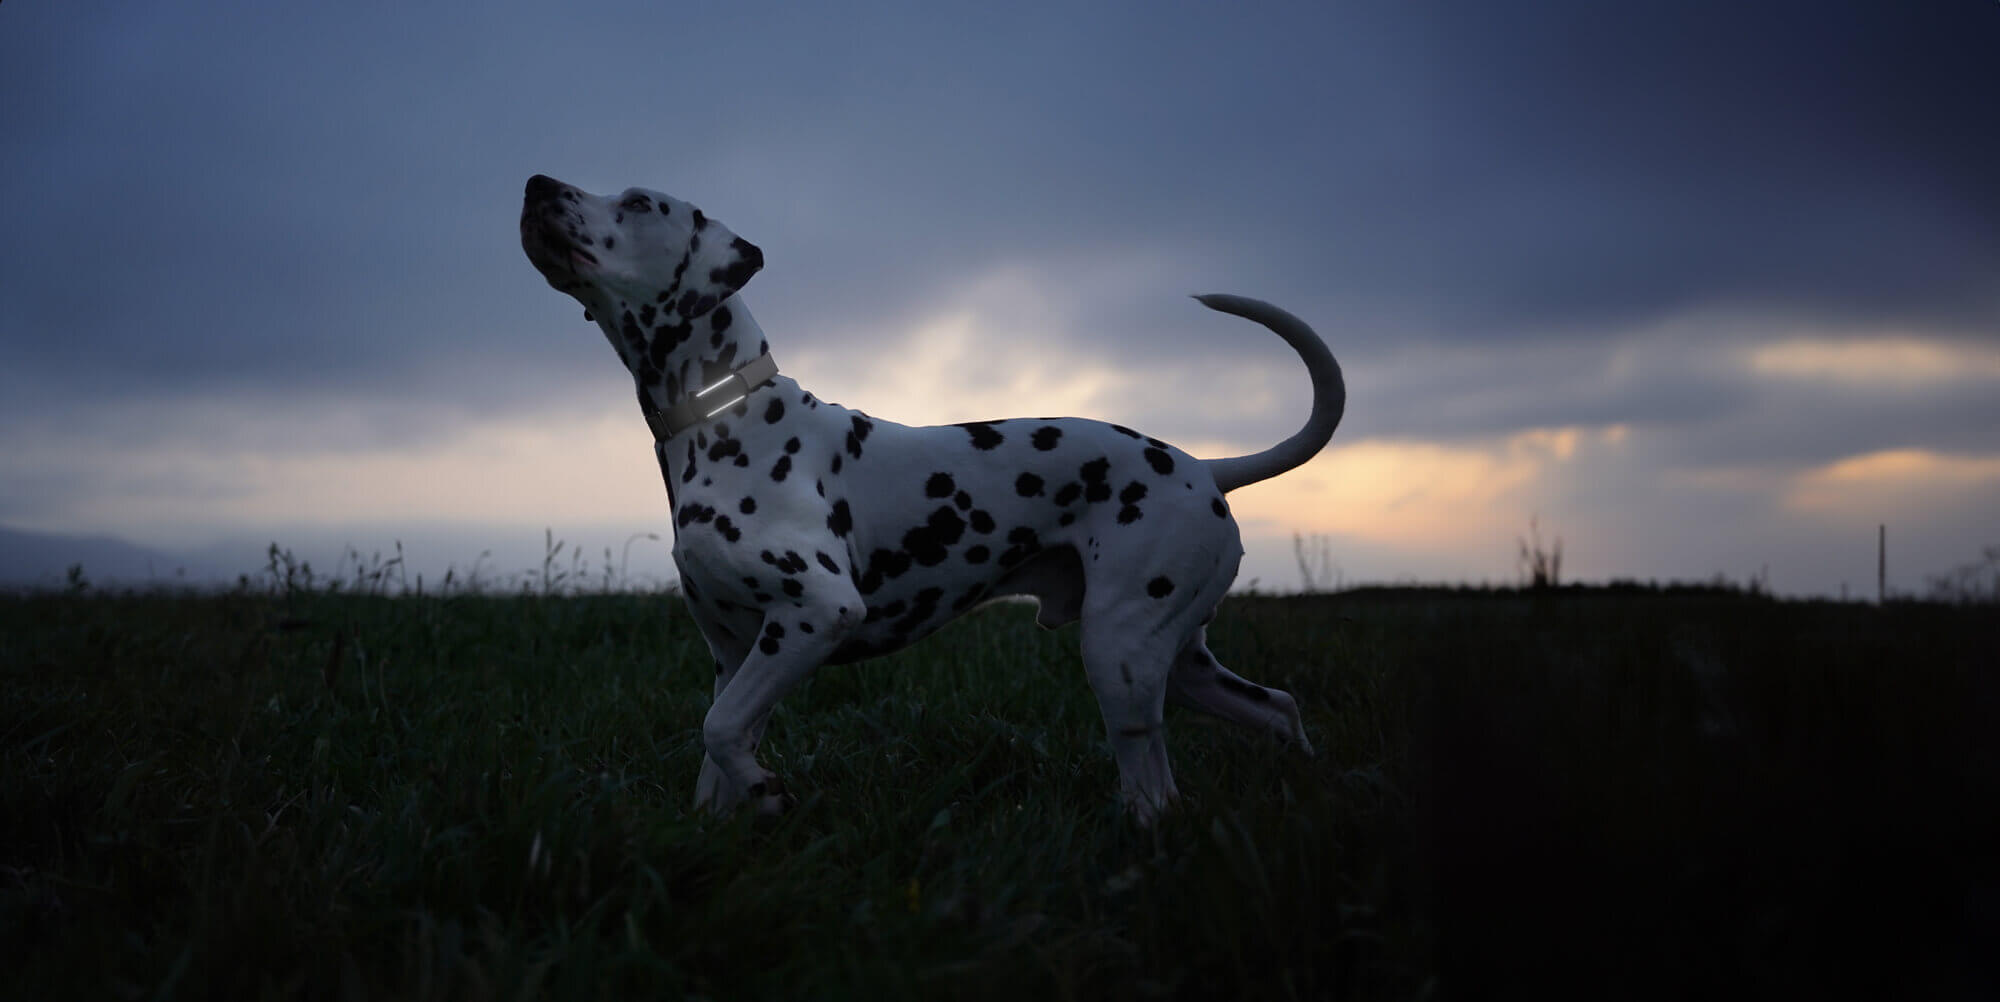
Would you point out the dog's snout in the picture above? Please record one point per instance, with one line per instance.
(542, 187)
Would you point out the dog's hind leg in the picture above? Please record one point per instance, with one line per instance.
(1130, 637)
(1200, 682)
(1130, 680)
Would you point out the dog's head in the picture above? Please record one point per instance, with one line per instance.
(634, 249)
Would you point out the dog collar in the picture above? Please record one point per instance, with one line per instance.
(719, 396)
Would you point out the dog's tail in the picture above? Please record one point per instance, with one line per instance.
(1329, 396)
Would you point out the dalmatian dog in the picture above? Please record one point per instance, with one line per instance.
(810, 534)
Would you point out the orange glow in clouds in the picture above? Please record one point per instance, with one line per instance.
(1428, 496)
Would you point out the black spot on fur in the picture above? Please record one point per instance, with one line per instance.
(984, 437)
(748, 260)
(774, 413)
(892, 563)
(720, 320)
(1122, 430)
(978, 555)
(790, 563)
(858, 434)
(927, 543)
(729, 531)
(1221, 510)
(827, 562)
(981, 522)
(1024, 545)
(1069, 493)
(1159, 587)
(748, 506)
(841, 522)
(1163, 463)
(940, 485)
(780, 468)
(1028, 485)
(921, 610)
(670, 336)
(1046, 437)
(792, 444)
(769, 645)
(1133, 493)
(1095, 487)
(882, 564)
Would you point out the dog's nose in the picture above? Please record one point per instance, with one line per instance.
(542, 187)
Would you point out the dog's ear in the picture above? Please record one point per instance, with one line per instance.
(720, 268)
(744, 260)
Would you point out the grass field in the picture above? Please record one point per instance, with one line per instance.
(303, 793)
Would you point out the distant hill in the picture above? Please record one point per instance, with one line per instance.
(42, 560)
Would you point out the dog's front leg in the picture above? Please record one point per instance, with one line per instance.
(791, 643)
(729, 651)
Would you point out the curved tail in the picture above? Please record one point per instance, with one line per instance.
(1329, 396)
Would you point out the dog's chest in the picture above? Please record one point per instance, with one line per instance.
(758, 469)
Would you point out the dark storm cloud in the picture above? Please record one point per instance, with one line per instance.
(228, 194)
(1600, 163)
(240, 199)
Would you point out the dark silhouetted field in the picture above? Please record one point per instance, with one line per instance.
(1636, 794)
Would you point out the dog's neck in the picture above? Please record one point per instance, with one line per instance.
(671, 357)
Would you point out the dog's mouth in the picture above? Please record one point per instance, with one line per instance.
(549, 245)
(548, 232)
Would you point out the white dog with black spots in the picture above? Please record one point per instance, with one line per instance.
(808, 534)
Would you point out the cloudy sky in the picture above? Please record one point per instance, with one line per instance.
(1703, 287)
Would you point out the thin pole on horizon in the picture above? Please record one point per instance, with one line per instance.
(1881, 563)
